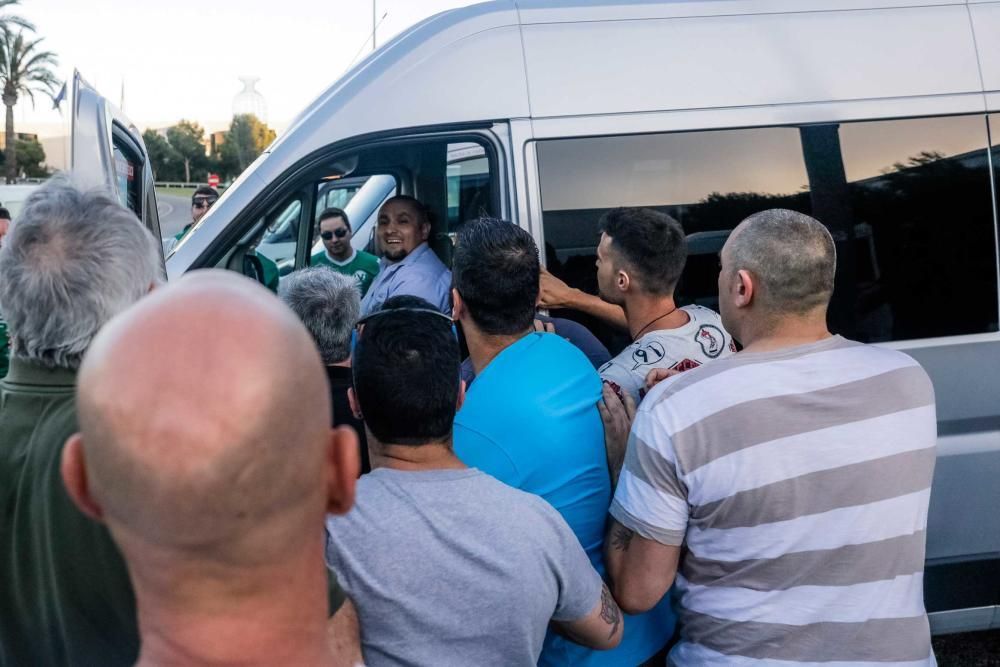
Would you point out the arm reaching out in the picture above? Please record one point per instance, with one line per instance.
(554, 293)
(617, 415)
(600, 629)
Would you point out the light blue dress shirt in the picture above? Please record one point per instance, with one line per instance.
(420, 273)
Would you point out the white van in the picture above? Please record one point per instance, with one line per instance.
(872, 115)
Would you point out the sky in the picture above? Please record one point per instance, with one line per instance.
(181, 58)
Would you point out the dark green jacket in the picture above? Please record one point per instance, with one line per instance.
(65, 596)
(4, 348)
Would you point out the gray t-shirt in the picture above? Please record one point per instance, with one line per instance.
(452, 567)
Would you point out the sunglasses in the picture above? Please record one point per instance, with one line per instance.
(355, 335)
(202, 203)
(340, 233)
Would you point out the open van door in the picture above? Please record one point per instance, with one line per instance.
(107, 151)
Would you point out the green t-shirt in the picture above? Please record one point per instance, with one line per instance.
(363, 267)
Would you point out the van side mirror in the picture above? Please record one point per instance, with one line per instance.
(253, 268)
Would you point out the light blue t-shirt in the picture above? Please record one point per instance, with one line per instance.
(531, 420)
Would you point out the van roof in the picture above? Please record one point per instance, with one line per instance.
(545, 59)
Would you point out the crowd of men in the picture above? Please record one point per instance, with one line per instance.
(170, 455)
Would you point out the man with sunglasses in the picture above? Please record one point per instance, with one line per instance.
(201, 201)
(339, 254)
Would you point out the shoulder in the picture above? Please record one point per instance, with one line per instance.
(368, 260)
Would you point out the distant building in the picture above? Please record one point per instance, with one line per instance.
(56, 152)
(19, 136)
(215, 140)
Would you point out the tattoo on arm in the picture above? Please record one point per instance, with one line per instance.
(610, 613)
(621, 538)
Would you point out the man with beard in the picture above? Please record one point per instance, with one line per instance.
(408, 264)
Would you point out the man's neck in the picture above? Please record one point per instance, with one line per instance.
(783, 333)
(406, 256)
(484, 348)
(646, 313)
(415, 458)
(341, 260)
(283, 622)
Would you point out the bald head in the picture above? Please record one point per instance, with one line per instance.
(790, 255)
(203, 413)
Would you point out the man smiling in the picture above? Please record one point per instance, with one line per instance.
(339, 254)
(408, 264)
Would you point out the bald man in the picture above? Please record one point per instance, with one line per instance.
(220, 514)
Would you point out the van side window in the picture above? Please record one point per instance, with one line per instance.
(908, 203)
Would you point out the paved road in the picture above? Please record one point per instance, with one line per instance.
(174, 212)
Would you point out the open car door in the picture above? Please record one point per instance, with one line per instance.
(107, 151)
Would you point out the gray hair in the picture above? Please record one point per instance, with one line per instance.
(792, 256)
(73, 261)
(328, 303)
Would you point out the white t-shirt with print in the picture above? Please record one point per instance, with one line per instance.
(699, 341)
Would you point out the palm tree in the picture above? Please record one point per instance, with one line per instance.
(9, 20)
(24, 70)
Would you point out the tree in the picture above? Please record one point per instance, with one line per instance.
(165, 160)
(187, 139)
(31, 158)
(24, 70)
(247, 138)
(9, 21)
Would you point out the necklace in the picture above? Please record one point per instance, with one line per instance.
(638, 335)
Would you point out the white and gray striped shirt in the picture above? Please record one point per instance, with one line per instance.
(799, 482)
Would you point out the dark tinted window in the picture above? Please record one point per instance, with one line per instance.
(907, 201)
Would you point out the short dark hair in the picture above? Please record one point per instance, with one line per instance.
(406, 375)
(495, 271)
(421, 208)
(334, 212)
(205, 191)
(407, 301)
(651, 243)
(4, 213)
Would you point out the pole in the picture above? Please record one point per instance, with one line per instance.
(374, 25)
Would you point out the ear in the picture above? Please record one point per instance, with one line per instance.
(352, 400)
(343, 465)
(74, 474)
(461, 395)
(425, 230)
(744, 289)
(457, 305)
(623, 281)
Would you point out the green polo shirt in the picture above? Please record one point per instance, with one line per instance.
(65, 597)
(363, 267)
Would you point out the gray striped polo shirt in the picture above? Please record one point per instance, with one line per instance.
(799, 482)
